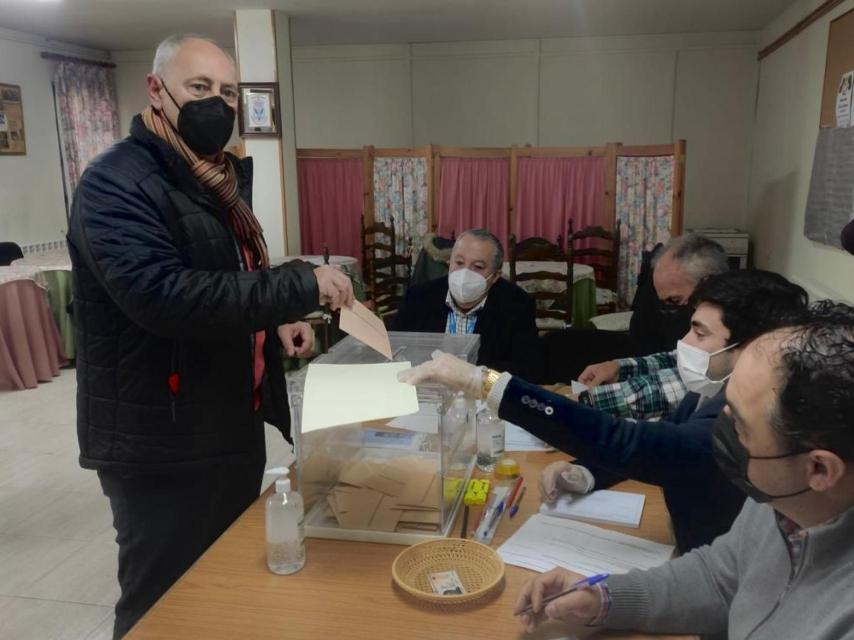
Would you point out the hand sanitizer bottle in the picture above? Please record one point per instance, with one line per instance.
(285, 532)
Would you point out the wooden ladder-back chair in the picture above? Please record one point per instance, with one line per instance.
(603, 256)
(550, 288)
(386, 273)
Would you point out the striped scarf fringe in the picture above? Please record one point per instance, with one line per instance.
(220, 179)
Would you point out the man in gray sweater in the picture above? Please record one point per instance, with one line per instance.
(786, 568)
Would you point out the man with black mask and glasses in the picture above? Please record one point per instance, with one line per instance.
(649, 386)
(785, 438)
(181, 322)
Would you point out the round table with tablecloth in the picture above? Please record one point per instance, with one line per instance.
(583, 289)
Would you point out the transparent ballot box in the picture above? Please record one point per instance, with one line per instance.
(397, 480)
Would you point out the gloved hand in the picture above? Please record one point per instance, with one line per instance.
(562, 477)
(447, 370)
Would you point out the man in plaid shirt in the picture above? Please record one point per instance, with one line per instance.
(644, 388)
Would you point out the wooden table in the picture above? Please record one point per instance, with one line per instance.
(345, 590)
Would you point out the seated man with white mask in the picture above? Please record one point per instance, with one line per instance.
(474, 298)
(676, 454)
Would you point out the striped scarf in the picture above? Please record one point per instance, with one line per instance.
(219, 178)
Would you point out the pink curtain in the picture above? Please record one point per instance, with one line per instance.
(474, 193)
(330, 205)
(550, 191)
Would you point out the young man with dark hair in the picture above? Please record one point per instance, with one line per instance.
(786, 438)
(676, 454)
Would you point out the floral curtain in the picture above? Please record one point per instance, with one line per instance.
(644, 208)
(87, 113)
(400, 192)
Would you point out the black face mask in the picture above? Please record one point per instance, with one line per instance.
(733, 459)
(205, 125)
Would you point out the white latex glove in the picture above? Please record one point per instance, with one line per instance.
(562, 477)
(449, 371)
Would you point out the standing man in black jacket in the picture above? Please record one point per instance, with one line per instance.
(474, 298)
(179, 323)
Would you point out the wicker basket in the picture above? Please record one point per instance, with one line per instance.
(480, 569)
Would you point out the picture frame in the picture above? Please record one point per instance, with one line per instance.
(13, 141)
(258, 109)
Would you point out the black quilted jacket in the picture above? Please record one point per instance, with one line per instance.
(165, 316)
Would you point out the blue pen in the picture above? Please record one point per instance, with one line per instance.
(578, 586)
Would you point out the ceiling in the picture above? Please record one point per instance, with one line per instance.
(141, 24)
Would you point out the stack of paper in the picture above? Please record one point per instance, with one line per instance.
(543, 543)
(400, 495)
(517, 439)
(606, 507)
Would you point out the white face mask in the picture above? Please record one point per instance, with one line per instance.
(466, 286)
(693, 364)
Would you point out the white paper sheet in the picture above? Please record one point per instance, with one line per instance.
(543, 543)
(338, 394)
(577, 387)
(607, 507)
(361, 323)
(517, 439)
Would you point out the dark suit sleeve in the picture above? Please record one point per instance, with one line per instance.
(659, 453)
(521, 358)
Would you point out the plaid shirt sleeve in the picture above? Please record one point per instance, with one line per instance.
(630, 367)
(642, 397)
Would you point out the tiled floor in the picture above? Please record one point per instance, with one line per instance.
(57, 548)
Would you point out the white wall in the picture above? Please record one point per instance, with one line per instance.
(32, 207)
(551, 92)
(787, 118)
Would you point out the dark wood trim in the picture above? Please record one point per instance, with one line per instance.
(802, 24)
(58, 57)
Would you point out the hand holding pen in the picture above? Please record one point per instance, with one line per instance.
(560, 595)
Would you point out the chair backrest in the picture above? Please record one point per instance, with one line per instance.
(386, 273)
(9, 252)
(602, 252)
(549, 284)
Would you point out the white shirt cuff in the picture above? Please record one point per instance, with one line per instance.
(493, 400)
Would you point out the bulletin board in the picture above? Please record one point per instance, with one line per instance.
(840, 60)
(12, 141)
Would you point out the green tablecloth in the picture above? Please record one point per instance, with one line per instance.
(583, 302)
(58, 285)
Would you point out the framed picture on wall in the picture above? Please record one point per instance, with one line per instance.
(259, 109)
(12, 140)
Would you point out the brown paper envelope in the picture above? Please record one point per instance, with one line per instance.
(366, 327)
(416, 488)
(356, 473)
(419, 517)
(385, 518)
(356, 510)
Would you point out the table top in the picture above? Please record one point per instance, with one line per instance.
(54, 260)
(345, 589)
(341, 261)
(579, 271)
(15, 272)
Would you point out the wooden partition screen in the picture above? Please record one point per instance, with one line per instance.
(435, 153)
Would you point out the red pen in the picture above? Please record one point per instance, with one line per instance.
(513, 493)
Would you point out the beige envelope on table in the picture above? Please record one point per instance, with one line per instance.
(363, 325)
